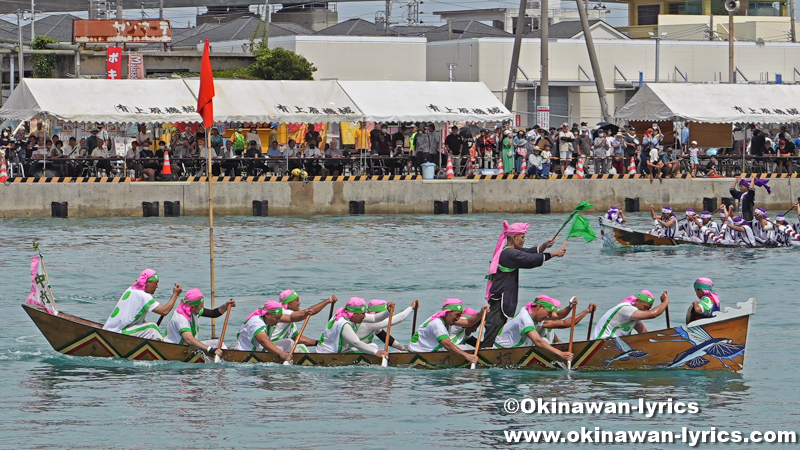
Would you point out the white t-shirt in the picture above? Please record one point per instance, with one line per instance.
(177, 325)
(283, 330)
(429, 336)
(654, 156)
(341, 336)
(514, 332)
(616, 322)
(246, 339)
(130, 310)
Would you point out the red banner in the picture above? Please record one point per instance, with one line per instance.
(114, 63)
(135, 67)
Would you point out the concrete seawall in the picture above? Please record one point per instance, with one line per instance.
(380, 197)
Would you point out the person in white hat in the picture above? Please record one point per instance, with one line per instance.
(565, 140)
(693, 151)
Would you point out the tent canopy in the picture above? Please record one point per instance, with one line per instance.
(280, 101)
(714, 103)
(113, 101)
(136, 101)
(426, 101)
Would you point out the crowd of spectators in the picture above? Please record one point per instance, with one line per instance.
(534, 152)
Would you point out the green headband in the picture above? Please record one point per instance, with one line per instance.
(453, 307)
(276, 311)
(645, 298)
(546, 305)
(356, 309)
(154, 277)
(703, 286)
(197, 302)
(377, 308)
(290, 298)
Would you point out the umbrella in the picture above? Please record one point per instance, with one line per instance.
(609, 127)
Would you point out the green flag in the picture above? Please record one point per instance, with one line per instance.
(581, 228)
(582, 206)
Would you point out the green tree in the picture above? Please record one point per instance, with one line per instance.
(44, 66)
(280, 64)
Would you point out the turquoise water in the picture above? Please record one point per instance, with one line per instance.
(56, 401)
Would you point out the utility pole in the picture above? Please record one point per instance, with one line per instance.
(731, 74)
(791, 14)
(20, 56)
(658, 39)
(544, 81)
(33, 19)
(512, 72)
(119, 9)
(598, 76)
(161, 10)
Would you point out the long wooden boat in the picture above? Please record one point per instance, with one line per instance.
(710, 344)
(615, 235)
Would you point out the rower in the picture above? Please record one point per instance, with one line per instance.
(627, 316)
(709, 229)
(786, 232)
(666, 225)
(708, 303)
(691, 227)
(292, 313)
(128, 316)
(463, 336)
(502, 287)
(434, 334)
(742, 233)
(255, 331)
(182, 327)
(535, 322)
(615, 215)
(340, 335)
(763, 230)
(726, 234)
(369, 331)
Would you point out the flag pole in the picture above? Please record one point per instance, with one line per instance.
(211, 230)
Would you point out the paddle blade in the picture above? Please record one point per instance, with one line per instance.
(384, 362)
(569, 366)
(217, 359)
(287, 363)
(472, 366)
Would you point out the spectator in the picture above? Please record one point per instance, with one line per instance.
(632, 147)
(535, 163)
(671, 164)
(312, 136)
(435, 139)
(334, 163)
(711, 167)
(507, 152)
(103, 134)
(39, 132)
(498, 144)
(91, 141)
(694, 152)
(454, 143)
(565, 147)
(422, 148)
(252, 136)
(617, 150)
(484, 147)
(239, 142)
(313, 154)
(72, 150)
(547, 155)
(685, 136)
(381, 144)
(584, 141)
(399, 138)
(600, 147)
(757, 143)
(784, 156)
(217, 143)
(520, 150)
(142, 135)
(148, 165)
(412, 139)
(102, 154)
(654, 163)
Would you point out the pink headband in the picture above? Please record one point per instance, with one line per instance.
(508, 230)
(633, 299)
(445, 309)
(140, 282)
(353, 303)
(269, 305)
(469, 312)
(186, 310)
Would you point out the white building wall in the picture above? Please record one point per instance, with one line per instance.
(360, 58)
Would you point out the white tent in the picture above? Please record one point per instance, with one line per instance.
(714, 103)
(425, 101)
(280, 101)
(113, 101)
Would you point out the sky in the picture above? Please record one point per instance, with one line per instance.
(364, 10)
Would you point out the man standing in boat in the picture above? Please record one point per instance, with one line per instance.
(502, 288)
(128, 316)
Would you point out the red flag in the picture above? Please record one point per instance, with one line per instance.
(114, 63)
(205, 103)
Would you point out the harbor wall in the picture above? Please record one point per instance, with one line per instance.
(380, 197)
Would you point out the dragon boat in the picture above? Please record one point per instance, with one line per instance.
(615, 235)
(716, 343)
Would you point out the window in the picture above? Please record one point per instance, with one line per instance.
(764, 9)
(648, 14)
(690, 7)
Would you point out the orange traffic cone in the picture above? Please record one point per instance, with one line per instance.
(500, 165)
(3, 172)
(579, 172)
(632, 167)
(449, 172)
(166, 169)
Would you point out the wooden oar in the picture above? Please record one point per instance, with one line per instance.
(571, 336)
(589, 332)
(480, 337)
(787, 211)
(330, 314)
(222, 335)
(385, 361)
(296, 341)
(666, 312)
(414, 323)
